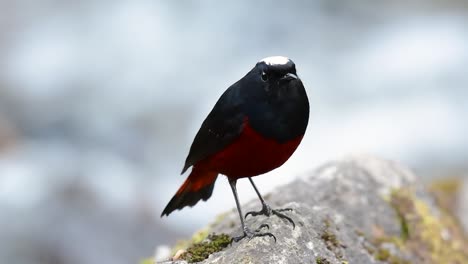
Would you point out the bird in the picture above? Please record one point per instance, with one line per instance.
(254, 127)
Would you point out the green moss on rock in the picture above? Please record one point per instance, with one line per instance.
(382, 254)
(198, 236)
(428, 235)
(445, 192)
(331, 240)
(202, 250)
(321, 260)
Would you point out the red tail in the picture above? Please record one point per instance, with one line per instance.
(199, 185)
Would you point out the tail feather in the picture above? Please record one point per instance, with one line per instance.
(198, 186)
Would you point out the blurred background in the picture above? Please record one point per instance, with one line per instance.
(100, 101)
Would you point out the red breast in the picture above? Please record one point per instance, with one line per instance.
(250, 154)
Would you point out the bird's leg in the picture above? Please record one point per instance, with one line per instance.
(246, 232)
(266, 209)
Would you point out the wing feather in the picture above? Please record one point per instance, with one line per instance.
(220, 128)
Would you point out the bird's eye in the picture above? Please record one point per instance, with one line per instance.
(264, 77)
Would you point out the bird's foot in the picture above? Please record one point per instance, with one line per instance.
(251, 234)
(267, 211)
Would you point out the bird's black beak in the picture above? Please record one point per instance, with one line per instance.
(289, 77)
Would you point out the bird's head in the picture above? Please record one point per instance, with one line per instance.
(275, 74)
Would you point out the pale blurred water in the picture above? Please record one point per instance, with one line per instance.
(102, 100)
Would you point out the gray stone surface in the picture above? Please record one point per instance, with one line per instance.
(462, 204)
(336, 210)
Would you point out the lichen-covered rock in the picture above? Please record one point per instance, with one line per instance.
(462, 204)
(358, 210)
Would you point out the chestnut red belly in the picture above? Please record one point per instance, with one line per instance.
(249, 155)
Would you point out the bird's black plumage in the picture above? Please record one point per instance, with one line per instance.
(263, 96)
(255, 127)
(222, 126)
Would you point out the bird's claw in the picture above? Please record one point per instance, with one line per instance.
(262, 226)
(283, 209)
(249, 234)
(283, 216)
(267, 211)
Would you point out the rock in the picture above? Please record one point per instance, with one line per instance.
(357, 210)
(462, 204)
(451, 194)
